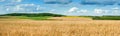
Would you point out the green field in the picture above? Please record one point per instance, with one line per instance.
(103, 17)
(24, 17)
(106, 18)
(45, 16)
(33, 16)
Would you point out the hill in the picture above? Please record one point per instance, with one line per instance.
(33, 14)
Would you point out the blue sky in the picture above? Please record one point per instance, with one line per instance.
(66, 7)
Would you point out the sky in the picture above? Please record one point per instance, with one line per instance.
(65, 7)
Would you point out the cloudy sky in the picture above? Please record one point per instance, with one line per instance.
(67, 7)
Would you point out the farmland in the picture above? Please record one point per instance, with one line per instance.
(57, 26)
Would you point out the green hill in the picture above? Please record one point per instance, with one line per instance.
(33, 14)
(39, 16)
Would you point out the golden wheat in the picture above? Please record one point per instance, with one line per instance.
(59, 28)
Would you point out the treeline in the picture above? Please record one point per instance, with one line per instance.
(33, 14)
(106, 18)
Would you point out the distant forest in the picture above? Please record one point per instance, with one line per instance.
(105, 17)
(33, 14)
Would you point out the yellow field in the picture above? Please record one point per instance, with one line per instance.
(63, 27)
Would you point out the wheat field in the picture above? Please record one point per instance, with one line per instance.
(17, 27)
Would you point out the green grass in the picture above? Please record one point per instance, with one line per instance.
(35, 18)
(106, 18)
(103, 17)
(45, 16)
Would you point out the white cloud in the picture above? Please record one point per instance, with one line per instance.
(52, 11)
(7, 9)
(18, 8)
(2, 0)
(13, 8)
(16, 0)
(115, 10)
(38, 8)
(99, 11)
(27, 5)
(24, 8)
(82, 11)
(106, 11)
(73, 9)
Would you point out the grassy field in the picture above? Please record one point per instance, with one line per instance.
(106, 18)
(79, 27)
(34, 18)
(24, 17)
(44, 16)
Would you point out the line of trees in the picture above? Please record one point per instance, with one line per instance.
(33, 14)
